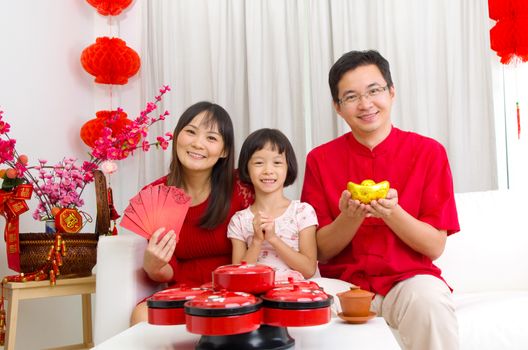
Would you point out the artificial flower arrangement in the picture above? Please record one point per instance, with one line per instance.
(61, 185)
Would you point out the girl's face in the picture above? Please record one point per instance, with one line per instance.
(199, 145)
(267, 169)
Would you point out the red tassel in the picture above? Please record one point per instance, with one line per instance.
(518, 120)
(2, 318)
(114, 215)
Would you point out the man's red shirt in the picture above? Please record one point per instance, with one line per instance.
(417, 167)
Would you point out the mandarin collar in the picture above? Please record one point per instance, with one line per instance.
(388, 143)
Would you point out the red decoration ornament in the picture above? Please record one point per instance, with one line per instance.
(509, 36)
(109, 7)
(110, 61)
(91, 130)
(68, 220)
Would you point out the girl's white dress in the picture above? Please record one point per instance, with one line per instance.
(297, 217)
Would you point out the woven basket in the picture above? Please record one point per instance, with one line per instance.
(81, 248)
(80, 258)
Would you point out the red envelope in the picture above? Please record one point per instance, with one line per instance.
(132, 222)
(175, 209)
(155, 207)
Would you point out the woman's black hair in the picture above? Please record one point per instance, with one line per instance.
(222, 177)
(256, 141)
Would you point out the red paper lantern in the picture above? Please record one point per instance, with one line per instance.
(109, 7)
(110, 61)
(509, 36)
(506, 8)
(91, 130)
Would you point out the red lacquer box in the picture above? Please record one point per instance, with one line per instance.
(295, 306)
(166, 307)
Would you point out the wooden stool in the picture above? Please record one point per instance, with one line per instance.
(16, 291)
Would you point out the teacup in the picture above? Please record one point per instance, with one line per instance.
(355, 302)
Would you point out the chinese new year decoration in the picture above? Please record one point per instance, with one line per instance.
(110, 61)
(509, 36)
(115, 120)
(110, 7)
(68, 220)
(12, 204)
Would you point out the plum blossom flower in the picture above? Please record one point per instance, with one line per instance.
(162, 142)
(61, 185)
(108, 167)
(132, 136)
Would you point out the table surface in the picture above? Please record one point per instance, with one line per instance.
(375, 334)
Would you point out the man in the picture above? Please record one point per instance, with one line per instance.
(388, 245)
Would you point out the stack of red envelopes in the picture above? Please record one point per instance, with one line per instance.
(154, 207)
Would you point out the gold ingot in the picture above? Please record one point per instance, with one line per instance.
(368, 190)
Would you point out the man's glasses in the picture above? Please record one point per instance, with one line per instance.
(353, 99)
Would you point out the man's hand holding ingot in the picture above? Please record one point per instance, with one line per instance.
(351, 208)
(382, 208)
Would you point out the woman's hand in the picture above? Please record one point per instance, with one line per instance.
(158, 254)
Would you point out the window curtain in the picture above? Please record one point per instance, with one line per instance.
(267, 63)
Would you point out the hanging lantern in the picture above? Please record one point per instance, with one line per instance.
(506, 8)
(110, 61)
(509, 36)
(109, 7)
(91, 130)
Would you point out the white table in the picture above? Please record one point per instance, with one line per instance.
(375, 334)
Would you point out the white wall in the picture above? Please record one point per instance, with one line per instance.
(46, 96)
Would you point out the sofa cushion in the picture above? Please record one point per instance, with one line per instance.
(491, 250)
(493, 320)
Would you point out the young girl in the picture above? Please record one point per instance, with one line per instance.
(274, 230)
(203, 165)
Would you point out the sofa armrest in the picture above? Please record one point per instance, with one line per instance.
(120, 283)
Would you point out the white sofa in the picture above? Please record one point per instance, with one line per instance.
(486, 263)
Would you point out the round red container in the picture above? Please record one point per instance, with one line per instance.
(208, 285)
(295, 306)
(248, 278)
(291, 282)
(166, 307)
(223, 313)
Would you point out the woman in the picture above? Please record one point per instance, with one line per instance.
(202, 165)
